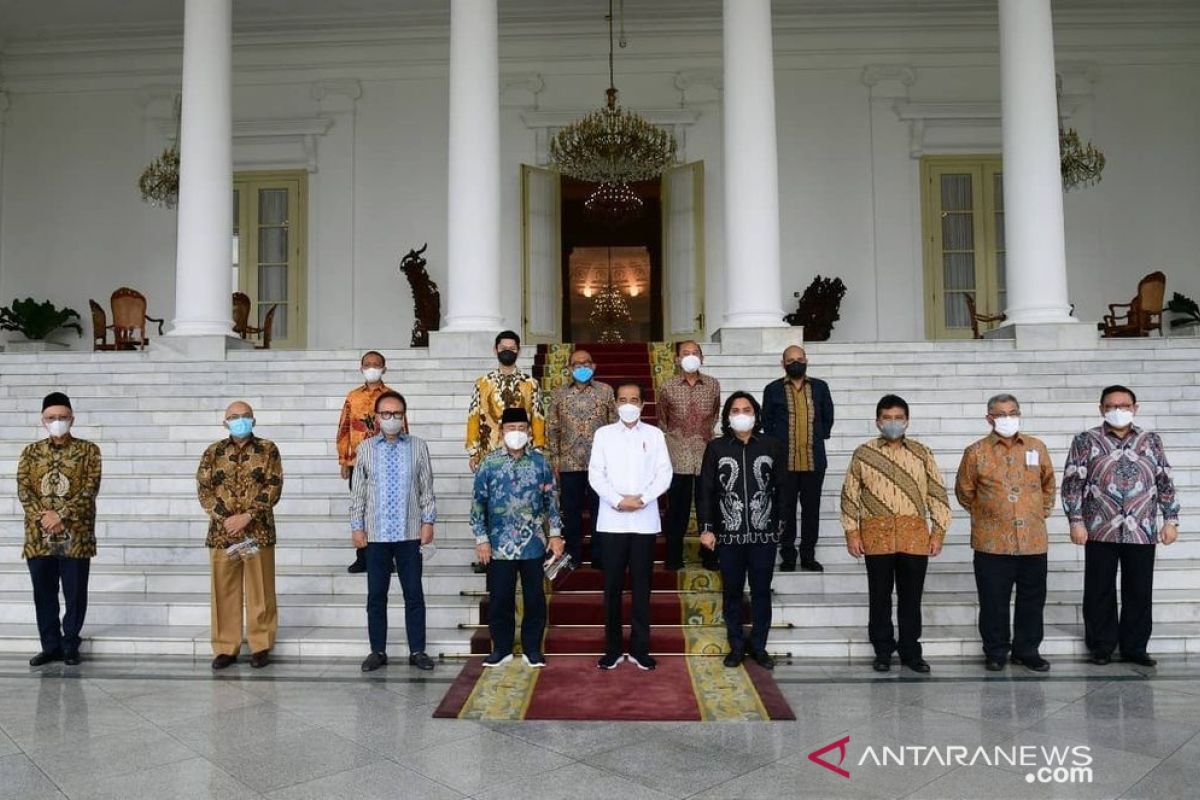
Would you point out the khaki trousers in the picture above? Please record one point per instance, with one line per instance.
(253, 578)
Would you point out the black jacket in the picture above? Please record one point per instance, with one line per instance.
(738, 498)
(775, 417)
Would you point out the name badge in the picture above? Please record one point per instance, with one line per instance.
(1031, 458)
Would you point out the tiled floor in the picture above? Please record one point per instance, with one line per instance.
(171, 729)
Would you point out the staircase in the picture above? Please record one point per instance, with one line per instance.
(154, 417)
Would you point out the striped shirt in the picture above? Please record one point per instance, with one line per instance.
(393, 489)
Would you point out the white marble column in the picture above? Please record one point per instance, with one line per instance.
(473, 218)
(753, 288)
(202, 260)
(1033, 197)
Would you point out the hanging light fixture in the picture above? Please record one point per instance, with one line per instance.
(1081, 164)
(610, 311)
(612, 145)
(613, 203)
(159, 182)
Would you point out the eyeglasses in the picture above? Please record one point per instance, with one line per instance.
(390, 414)
(1002, 415)
(1121, 407)
(232, 417)
(588, 363)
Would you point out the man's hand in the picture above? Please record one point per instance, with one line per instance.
(237, 523)
(630, 502)
(1078, 534)
(473, 462)
(556, 547)
(708, 539)
(426, 532)
(50, 520)
(935, 546)
(1169, 533)
(483, 552)
(854, 545)
(359, 538)
(347, 471)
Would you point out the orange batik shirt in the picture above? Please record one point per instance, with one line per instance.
(358, 421)
(1008, 488)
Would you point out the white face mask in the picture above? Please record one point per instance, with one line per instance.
(629, 413)
(392, 426)
(372, 374)
(741, 422)
(516, 440)
(1007, 426)
(1119, 418)
(59, 427)
(690, 363)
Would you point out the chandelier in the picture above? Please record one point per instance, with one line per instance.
(612, 145)
(159, 182)
(613, 203)
(1080, 164)
(610, 313)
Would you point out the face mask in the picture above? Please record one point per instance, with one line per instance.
(1119, 418)
(240, 428)
(690, 363)
(629, 413)
(1007, 426)
(59, 428)
(507, 357)
(893, 429)
(516, 440)
(796, 369)
(391, 426)
(741, 422)
(582, 374)
(372, 374)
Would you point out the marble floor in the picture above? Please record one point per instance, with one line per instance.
(160, 728)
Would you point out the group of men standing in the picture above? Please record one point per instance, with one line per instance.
(538, 470)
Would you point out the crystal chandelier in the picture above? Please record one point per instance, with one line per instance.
(1081, 165)
(613, 203)
(612, 145)
(610, 313)
(159, 182)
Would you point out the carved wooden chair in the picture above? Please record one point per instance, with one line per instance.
(100, 327)
(1143, 313)
(976, 317)
(241, 321)
(129, 319)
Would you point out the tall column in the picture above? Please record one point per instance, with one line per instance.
(202, 262)
(1035, 241)
(473, 218)
(752, 278)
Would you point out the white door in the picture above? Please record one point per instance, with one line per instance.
(683, 251)
(541, 202)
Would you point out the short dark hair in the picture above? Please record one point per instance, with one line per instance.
(634, 384)
(1115, 388)
(890, 401)
(373, 353)
(502, 335)
(726, 430)
(393, 395)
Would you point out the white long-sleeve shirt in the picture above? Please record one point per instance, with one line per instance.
(629, 461)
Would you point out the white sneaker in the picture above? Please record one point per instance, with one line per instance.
(534, 661)
(496, 660)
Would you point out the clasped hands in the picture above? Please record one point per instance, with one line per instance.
(51, 522)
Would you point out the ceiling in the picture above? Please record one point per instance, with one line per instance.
(55, 19)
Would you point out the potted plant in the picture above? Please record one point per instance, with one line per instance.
(36, 321)
(817, 309)
(1183, 312)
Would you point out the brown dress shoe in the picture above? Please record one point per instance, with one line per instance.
(260, 659)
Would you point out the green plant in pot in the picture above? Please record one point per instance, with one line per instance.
(1185, 311)
(36, 321)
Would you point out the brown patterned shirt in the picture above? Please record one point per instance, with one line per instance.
(1008, 487)
(236, 479)
(890, 495)
(687, 415)
(576, 411)
(801, 412)
(64, 478)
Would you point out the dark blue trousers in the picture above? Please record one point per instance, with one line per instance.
(47, 572)
(740, 562)
(576, 496)
(503, 601)
(406, 556)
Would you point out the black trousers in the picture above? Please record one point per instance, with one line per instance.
(906, 573)
(576, 496)
(683, 493)
(995, 577)
(739, 562)
(502, 607)
(801, 489)
(46, 573)
(1103, 631)
(635, 552)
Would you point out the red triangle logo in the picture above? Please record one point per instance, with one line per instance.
(840, 746)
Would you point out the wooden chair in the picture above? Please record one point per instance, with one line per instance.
(100, 327)
(1143, 313)
(129, 319)
(241, 321)
(976, 318)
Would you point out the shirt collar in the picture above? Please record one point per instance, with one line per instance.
(400, 437)
(700, 378)
(995, 439)
(1107, 430)
(636, 427)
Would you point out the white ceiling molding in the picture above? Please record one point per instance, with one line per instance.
(952, 127)
(545, 124)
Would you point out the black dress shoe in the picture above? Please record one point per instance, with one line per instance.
(994, 664)
(882, 664)
(787, 566)
(260, 659)
(374, 662)
(72, 659)
(45, 658)
(222, 661)
(811, 565)
(734, 659)
(763, 659)
(1100, 659)
(917, 665)
(1033, 662)
(1142, 660)
(421, 661)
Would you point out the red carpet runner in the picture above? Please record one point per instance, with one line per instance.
(687, 627)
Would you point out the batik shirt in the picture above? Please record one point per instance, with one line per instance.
(1007, 486)
(239, 479)
(687, 415)
(515, 501)
(576, 412)
(495, 392)
(358, 421)
(1115, 487)
(64, 478)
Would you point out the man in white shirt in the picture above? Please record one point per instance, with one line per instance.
(629, 469)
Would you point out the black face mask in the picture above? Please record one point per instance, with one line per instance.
(507, 357)
(796, 369)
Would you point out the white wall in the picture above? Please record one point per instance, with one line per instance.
(80, 130)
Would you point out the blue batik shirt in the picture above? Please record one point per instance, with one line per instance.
(393, 472)
(516, 500)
